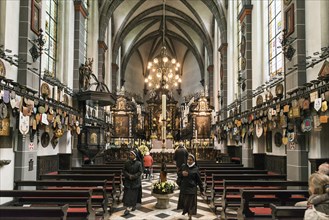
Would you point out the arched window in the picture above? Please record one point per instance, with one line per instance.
(85, 29)
(274, 35)
(49, 60)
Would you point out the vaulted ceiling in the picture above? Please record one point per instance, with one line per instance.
(137, 27)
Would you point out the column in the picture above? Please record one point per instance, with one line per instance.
(244, 17)
(25, 157)
(79, 22)
(210, 70)
(223, 87)
(297, 157)
(102, 48)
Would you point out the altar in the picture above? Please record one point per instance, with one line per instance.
(157, 146)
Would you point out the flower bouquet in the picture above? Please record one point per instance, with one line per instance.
(143, 148)
(166, 187)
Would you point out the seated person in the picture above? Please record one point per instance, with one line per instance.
(322, 169)
(319, 195)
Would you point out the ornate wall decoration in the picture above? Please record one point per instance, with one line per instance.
(121, 124)
(2, 69)
(202, 126)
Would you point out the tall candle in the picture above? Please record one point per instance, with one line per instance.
(164, 99)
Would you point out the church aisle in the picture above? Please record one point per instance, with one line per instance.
(147, 210)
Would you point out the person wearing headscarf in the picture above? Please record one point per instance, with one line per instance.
(180, 156)
(188, 180)
(132, 172)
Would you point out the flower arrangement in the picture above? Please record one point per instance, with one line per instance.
(166, 187)
(143, 149)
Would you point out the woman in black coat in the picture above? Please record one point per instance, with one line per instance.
(188, 180)
(132, 172)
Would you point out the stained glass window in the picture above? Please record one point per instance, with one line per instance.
(274, 35)
(49, 60)
(86, 5)
(239, 8)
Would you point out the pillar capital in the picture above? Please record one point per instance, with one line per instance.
(80, 7)
(102, 44)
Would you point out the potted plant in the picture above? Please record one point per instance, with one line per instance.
(166, 187)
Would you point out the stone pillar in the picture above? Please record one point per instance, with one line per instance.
(115, 69)
(244, 17)
(80, 15)
(210, 70)
(79, 36)
(297, 156)
(26, 150)
(223, 80)
(223, 88)
(102, 48)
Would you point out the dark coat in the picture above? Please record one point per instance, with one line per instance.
(188, 184)
(320, 202)
(132, 172)
(180, 156)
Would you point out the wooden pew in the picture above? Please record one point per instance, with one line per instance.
(117, 174)
(76, 176)
(287, 212)
(100, 197)
(33, 213)
(263, 198)
(217, 181)
(207, 178)
(79, 201)
(110, 187)
(231, 190)
(220, 165)
(118, 165)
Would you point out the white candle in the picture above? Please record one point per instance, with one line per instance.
(164, 99)
(196, 135)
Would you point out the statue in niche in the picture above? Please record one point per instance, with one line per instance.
(85, 72)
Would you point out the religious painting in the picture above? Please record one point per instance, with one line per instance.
(202, 126)
(289, 21)
(35, 17)
(121, 125)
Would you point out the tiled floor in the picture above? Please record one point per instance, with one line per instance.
(147, 210)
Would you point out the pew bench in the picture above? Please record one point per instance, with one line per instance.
(287, 212)
(208, 178)
(217, 183)
(118, 181)
(33, 213)
(100, 197)
(110, 178)
(263, 198)
(79, 201)
(231, 190)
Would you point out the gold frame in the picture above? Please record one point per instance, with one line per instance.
(35, 17)
(289, 20)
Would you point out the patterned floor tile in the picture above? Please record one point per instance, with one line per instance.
(147, 209)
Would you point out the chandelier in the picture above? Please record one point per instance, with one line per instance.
(163, 70)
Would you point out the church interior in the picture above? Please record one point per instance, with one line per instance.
(243, 85)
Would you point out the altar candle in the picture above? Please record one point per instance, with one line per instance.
(164, 99)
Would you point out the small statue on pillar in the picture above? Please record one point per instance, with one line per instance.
(163, 173)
